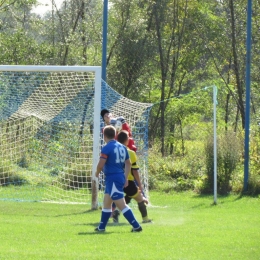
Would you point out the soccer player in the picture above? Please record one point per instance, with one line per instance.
(115, 163)
(132, 190)
(108, 119)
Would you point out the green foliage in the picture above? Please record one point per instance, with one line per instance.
(16, 46)
(194, 170)
(75, 177)
(49, 157)
(254, 184)
(9, 175)
(254, 175)
(156, 50)
(229, 151)
(23, 162)
(176, 173)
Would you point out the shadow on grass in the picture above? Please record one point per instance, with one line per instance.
(108, 224)
(78, 213)
(94, 233)
(220, 198)
(94, 225)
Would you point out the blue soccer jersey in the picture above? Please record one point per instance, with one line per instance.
(115, 154)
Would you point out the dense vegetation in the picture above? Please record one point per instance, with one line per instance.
(158, 51)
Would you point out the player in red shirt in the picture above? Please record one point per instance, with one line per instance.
(109, 120)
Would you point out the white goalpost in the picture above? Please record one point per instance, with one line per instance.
(50, 132)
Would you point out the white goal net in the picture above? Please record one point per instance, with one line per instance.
(50, 128)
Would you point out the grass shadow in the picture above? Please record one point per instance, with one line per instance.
(94, 233)
(77, 213)
(221, 199)
(108, 224)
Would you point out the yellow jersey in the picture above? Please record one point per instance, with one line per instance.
(133, 159)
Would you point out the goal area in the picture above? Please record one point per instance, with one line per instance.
(50, 132)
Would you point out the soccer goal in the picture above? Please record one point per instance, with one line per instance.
(50, 129)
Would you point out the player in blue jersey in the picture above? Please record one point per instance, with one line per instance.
(109, 120)
(115, 163)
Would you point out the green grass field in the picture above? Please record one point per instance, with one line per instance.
(186, 226)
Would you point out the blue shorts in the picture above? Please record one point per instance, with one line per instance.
(115, 186)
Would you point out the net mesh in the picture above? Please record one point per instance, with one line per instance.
(46, 134)
(137, 116)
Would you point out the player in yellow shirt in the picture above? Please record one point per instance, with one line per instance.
(132, 190)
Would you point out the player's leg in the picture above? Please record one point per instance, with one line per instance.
(133, 191)
(128, 214)
(127, 199)
(115, 213)
(117, 195)
(143, 209)
(106, 213)
(107, 202)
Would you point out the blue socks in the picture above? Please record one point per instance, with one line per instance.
(106, 213)
(128, 214)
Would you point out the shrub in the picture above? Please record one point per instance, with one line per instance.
(176, 173)
(254, 176)
(74, 177)
(254, 184)
(23, 162)
(8, 175)
(229, 150)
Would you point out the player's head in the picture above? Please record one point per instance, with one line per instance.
(109, 132)
(123, 137)
(106, 115)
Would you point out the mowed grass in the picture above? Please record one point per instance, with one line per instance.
(186, 226)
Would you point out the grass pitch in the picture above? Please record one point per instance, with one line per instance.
(185, 226)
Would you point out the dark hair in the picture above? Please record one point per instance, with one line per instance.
(103, 112)
(109, 132)
(123, 136)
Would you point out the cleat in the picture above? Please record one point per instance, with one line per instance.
(139, 229)
(147, 221)
(115, 216)
(99, 230)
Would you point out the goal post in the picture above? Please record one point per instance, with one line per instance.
(50, 132)
(96, 141)
(44, 138)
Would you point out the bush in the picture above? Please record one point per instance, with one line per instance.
(176, 173)
(254, 177)
(229, 150)
(8, 175)
(254, 184)
(75, 177)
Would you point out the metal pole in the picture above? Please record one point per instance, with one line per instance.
(104, 42)
(215, 141)
(247, 113)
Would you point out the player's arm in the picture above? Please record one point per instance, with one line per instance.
(127, 168)
(136, 175)
(131, 144)
(101, 164)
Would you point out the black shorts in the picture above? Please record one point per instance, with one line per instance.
(132, 189)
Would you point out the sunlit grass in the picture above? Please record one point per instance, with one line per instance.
(185, 226)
